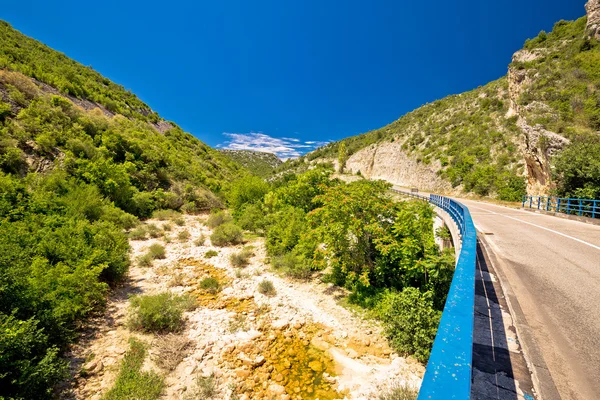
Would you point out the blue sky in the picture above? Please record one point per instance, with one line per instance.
(287, 75)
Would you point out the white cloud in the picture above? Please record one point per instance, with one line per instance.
(283, 147)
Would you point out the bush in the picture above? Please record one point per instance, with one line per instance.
(161, 312)
(145, 260)
(154, 231)
(241, 258)
(183, 236)
(157, 251)
(227, 234)
(399, 392)
(218, 218)
(293, 265)
(179, 221)
(132, 382)
(200, 241)
(210, 284)
(138, 233)
(252, 218)
(211, 254)
(247, 190)
(267, 288)
(410, 321)
(165, 215)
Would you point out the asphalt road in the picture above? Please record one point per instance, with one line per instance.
(552, 265)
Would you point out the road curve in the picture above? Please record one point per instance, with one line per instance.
(552, 265)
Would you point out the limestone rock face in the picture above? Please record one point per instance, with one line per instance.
(388, 161)
(592, 8)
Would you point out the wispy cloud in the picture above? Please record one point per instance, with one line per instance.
(283, 147)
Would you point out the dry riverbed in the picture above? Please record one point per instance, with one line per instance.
(296, 343)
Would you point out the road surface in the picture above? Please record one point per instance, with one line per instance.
(551, 266)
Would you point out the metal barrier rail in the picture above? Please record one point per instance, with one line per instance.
(582, 207)
(449, 370)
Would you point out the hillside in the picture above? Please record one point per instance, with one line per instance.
(524, 132)
(81, 159)
(259, 163)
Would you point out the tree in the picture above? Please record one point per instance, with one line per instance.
(342, 157)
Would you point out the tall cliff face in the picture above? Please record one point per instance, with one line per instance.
(592, 9)
(535, 142)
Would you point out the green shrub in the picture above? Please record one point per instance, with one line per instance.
(399, 392)
(410, 321)
(132, 382)
(227, 234)
(183, 236)
(211, 254)
(247, 190)
(139, 233)
(145, 260)
(165, 215)
(157, 251)
(267, 288)
(293, 265)
(252, 218)
(241, 258)
(179, 221)
(161, 312)
(200, 240)
(29, 365)
(206, 388)
(154, 231)
(218, 218)
(167, 227)
(210, 284)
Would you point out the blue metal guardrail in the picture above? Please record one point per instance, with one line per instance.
(449, 370)
(582, 207)
(448, 373)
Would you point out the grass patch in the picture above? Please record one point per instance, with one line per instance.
(242, 258)
(154, 231)
(237, 323)
(227, 234)
(164, 215)
(131, 382)
(171, 350)
(183, 236)
(218, 218)
(398, 392)
(211, 254)
(206, 387)
(210, 284)
(179, 221)
(145, 260)
(177, 280)
(157, 251)
(161, 312)
(138, 233)
(267, 288)
(200, 241)
(167, 227)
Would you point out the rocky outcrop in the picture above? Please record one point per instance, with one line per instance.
(536, 143)
(592, 8)
(389, 162)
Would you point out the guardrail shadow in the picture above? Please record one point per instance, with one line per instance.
(493, 375)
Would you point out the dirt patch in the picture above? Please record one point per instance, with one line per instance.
(297, 343)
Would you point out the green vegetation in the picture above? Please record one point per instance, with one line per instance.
(217, 218)
(358, 237)
(227, 234)
(399, 392)
(210, 284)
(156, 251)
(241, 259)
(259, 163)
(132, 382)
(161, 312)
(267, 288)
(211, 254)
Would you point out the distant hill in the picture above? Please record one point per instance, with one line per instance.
(535, 130)
(259, 163)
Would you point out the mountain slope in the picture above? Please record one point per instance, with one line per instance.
(259, 163)
(80, 159)
(519, 133)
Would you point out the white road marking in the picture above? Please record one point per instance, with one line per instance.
(541, 227)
